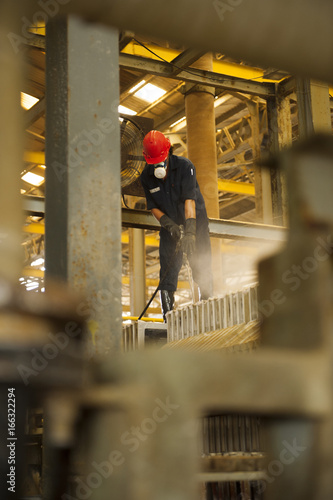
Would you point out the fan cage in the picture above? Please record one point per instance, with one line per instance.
(132, 159)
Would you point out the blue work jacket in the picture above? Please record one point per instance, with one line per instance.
(169, 194)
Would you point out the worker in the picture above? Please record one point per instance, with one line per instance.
(174, 198)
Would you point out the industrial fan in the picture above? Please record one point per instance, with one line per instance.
(132, 159)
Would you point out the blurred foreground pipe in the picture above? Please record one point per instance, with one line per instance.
(11, 147)
(294, 35)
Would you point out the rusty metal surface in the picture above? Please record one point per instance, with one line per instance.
(83, 206)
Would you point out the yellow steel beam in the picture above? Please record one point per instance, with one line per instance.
(39, 228)
(151, 282)
(37, 273)
(222, 67)
(35, 228)
(236, 187)
(153, 241)
(150, 310)
(135, 318)
(32, 272)
(34, 157)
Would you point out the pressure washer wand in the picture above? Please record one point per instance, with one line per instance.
(185, 262)
(178, 248)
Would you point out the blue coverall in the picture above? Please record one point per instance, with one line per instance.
(169, 195)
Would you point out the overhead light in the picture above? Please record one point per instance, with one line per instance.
(38, 262)
(42, 166)
(126, 111)
(137, 86)
(33, 286)
(27, 101)
(178, 121)
(178, 125)
(150, 93)
(220, 100)
(34, 179)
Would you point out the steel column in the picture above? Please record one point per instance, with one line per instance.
(83, 209)
(313, 105)
(261, 176)
(305, 124)
(285, 139)
(56, 145)
(279, 137)
(321, 109)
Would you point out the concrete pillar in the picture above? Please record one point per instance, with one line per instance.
(201, 149)
(313, 106)
(83, 208)
(137, 256)
(201, 141)
(137, 266)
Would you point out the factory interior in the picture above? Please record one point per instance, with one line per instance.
(230, 398)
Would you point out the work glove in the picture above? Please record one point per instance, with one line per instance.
(188, 242)
(170, 226)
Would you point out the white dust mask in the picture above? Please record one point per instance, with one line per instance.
(160, 170)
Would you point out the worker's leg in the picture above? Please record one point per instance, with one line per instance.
(201, 261)
(167, 301)
(171, 263)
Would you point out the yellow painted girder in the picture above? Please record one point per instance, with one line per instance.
(223, 184)
(153, 241)
(150, 310)
(35, 228)
(32, 272)
(151, 282)
(222, 67)
(38, 273)
(39, 228)
(236, 187)
(37, 157)
(135, 318)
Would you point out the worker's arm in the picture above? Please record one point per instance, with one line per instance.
(157, 213)
(190, 209)
(188, 242)
(167, 223)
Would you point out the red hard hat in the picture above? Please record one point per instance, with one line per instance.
(155, 147)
